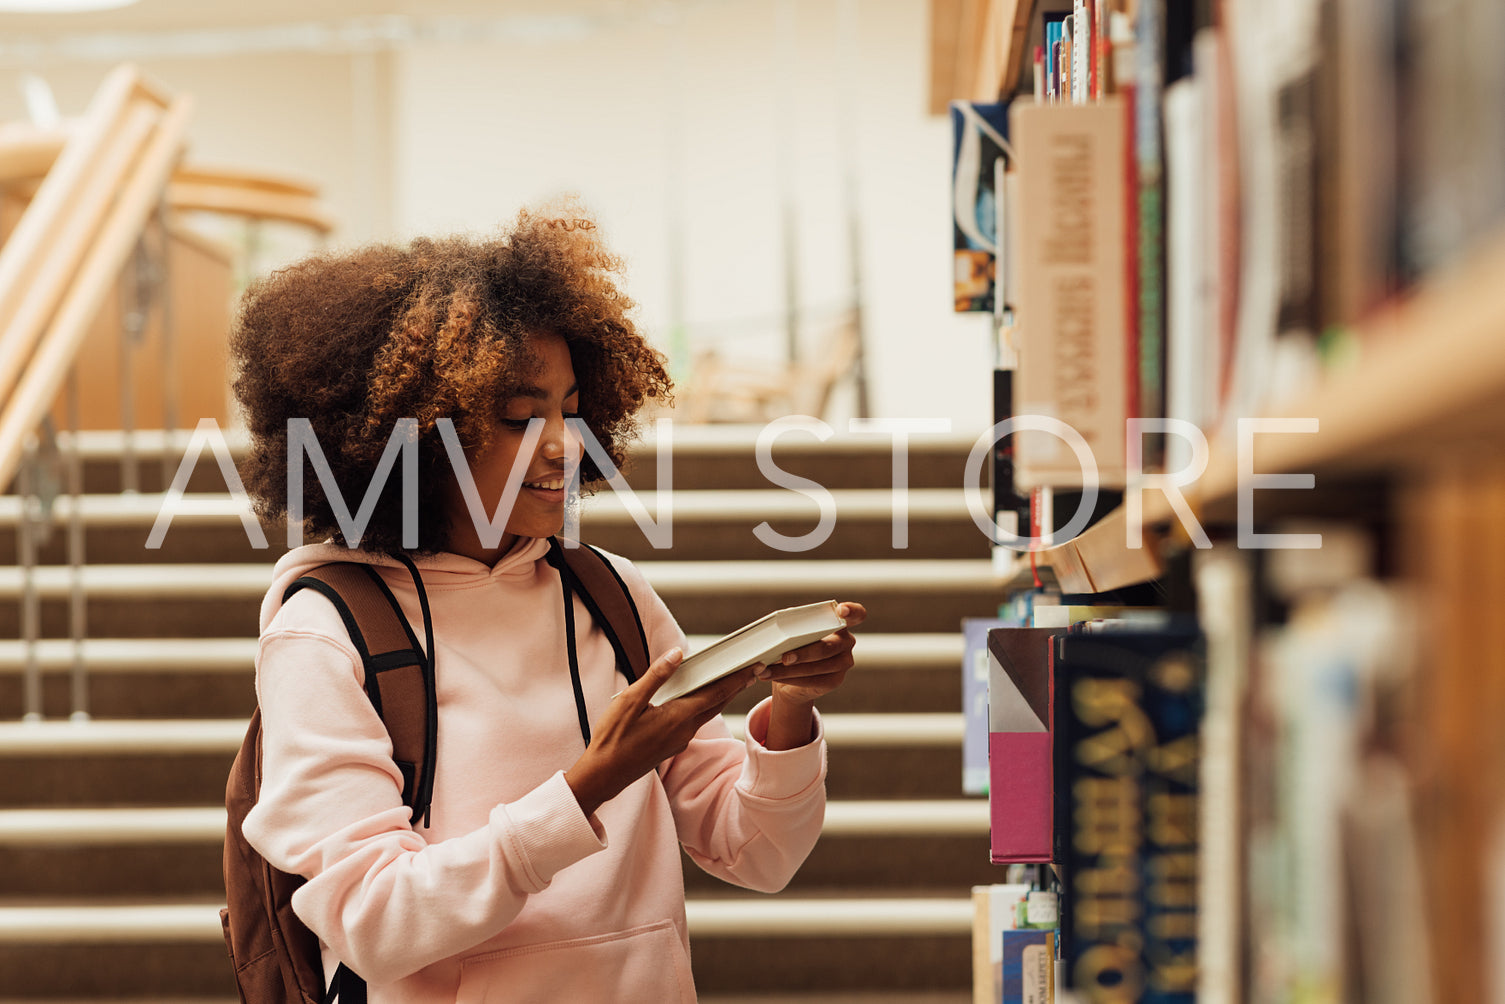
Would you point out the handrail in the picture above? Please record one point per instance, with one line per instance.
(27, 154)
(29, 151)
(26, 249)
(232, 199)
(26, 314)
(72, 241)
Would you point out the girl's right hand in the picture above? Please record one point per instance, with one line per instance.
(634, 737)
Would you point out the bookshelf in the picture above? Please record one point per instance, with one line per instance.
(1352, 767)
(1428, 383)
(976, 48)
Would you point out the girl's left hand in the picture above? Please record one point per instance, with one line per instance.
(807, 674)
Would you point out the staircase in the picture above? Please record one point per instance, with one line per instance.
(111, 828)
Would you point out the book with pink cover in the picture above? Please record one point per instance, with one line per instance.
(1020, 796)
(765, 640)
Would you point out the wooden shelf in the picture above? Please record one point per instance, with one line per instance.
(1428, 384)
(976, 49)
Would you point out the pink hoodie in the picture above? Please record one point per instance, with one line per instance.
(513, 893)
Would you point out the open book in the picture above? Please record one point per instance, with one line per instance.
(764, 640)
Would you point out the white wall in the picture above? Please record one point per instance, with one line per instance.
(282, 112)
(712, 121)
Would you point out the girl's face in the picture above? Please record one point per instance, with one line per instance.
(541, 470)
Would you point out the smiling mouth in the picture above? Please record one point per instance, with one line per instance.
(552, 485)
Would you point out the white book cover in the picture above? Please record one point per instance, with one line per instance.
(1081, 51)
(1186, 318)
(765, 640)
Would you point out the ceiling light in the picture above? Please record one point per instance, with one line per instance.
(59, 6)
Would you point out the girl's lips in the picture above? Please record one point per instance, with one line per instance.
(549, 489)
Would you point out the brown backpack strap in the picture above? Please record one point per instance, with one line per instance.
(399, 676)
(607, 598)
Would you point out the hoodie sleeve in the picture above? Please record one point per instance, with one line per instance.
(747, 814)
(744, 813)
(385, 900)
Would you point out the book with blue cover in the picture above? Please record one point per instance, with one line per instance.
(975, 701)
(1029, 962)
(979, 140)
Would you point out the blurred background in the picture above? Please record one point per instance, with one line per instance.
(776, 176)
(1303, 215)
(764, 167)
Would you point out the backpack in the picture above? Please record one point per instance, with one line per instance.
(275, 957)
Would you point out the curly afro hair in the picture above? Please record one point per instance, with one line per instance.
(355, 341)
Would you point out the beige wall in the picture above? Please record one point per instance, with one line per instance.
(707, 121)
(284, 112)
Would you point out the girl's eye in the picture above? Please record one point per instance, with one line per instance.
(516, 424)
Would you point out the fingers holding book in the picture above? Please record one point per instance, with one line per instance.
(633, 735)
(811, 671)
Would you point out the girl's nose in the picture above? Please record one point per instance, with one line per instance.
(561, 440)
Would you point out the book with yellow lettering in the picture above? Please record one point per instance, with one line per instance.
(1128, 712)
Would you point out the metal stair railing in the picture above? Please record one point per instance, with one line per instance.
(99, 191)
(81, 227)
(73, 240)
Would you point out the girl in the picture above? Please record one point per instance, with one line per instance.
(548, 868)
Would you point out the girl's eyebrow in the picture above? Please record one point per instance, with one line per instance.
(539, 394)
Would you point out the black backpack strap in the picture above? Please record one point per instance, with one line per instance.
(399, 675)
(401, 684)
(574, 657)
(591, 576)
(346, 987)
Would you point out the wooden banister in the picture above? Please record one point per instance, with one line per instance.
(26, 247)
(72, 240)
(28, 151)
(27, 154)
(24, 314)
(232, 199)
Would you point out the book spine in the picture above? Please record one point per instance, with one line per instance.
(1052, 50)
(1081, 48)
(1072, 362)
(1102, 50)
(1129, 725)
(1011, 510)
(1060, 775)
(1149, 58)
(1027, 971)
(1055, 67)
(1185, 253)
(1174, 703)
(983, 990)
(1133, 404)
(975, 703)
(1094, 46)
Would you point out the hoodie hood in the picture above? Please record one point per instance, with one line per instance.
(440, 570)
